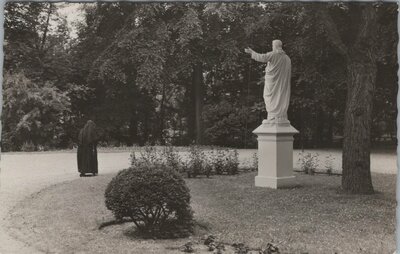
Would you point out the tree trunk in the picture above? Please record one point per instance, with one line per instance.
(189, 110)
(46, 28)
(358, 118)
(133, 130)
(161, 123)
(329, 134)
(198, 91)
(317, 135)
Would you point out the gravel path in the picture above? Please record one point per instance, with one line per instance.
(24, 174)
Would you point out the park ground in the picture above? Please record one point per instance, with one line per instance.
(42, 190)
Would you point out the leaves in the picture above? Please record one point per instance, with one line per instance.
(132, 65)
(154, 197)
(32, 113)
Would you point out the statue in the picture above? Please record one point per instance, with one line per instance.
(277, 82)
(275, 134)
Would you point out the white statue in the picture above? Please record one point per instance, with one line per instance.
(277, 81)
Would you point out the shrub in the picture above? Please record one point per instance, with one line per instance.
(28, 147)
(172, 159)
(42, 148)
(255, 161)
(232, 162)
(148, 156)
(217, 160)
(224, 161)
(197, 162)
(308, 162)
(329, 164)
(156, 199)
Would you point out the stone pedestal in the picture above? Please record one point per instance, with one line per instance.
(275, 154)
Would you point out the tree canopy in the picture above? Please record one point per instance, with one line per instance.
(148, 72)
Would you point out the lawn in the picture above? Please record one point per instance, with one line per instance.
(314, 217)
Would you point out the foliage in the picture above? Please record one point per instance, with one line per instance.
(217, 160)
(218, 247)
(173, 159)
(36, 57)
(270, 249)
(227, 124)
(28, 147)
(224, 161)
(176, 72)
(241, 248)
(149, 156)
(155, 198)
(188, 247)
(308, 162)
(255, 161)
(232, 162)
(33, 113)
(197, 163)
(213, 245)
(329, 164)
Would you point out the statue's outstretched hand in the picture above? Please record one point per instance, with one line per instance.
(248, 50)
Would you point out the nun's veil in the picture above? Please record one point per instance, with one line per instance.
(89, 135)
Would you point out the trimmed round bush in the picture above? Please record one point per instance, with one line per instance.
(155, 198)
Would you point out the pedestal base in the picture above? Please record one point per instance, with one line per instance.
(274, 182)
(275, 154)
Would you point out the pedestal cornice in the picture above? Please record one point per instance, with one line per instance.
(275, 128)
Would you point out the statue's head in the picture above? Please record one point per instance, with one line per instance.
(276, 45)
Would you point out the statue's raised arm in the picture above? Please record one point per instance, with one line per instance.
(263, 58)
(248, 50)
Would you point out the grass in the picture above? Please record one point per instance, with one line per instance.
(314, 217)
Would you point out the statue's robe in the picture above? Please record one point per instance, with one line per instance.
(277, 82)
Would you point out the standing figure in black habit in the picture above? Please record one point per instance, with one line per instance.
(87, 149)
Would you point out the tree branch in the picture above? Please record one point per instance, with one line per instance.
(331, 30)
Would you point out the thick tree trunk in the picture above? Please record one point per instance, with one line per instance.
(358, 117)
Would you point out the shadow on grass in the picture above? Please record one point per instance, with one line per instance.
(114, 222)
(85, 175)
(292, 187)
(199, 177)
(134, 233)
(170, 233)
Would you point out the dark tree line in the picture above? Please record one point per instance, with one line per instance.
(176, 72)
